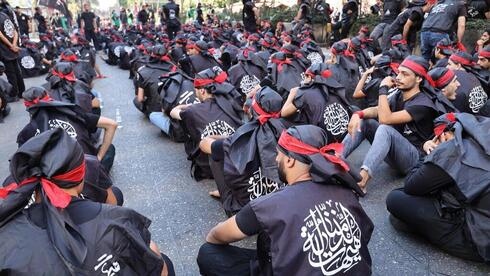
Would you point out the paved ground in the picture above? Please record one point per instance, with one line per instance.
(154, 176)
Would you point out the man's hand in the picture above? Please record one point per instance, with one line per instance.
(14, 48)
(354, 125)
(369, 71)
(430, 145)
(388, 82)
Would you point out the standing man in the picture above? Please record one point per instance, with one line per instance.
(171, 13)
(42, 27)
(143, 15)
(350, 11)
(123, 16)
(200, 16)
(88, 25)
(439, 24)
(23, 20)
(250, 15)
(390, 10)
(9, 49)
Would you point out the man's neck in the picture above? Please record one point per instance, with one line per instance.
(408, 94)
(300, 178)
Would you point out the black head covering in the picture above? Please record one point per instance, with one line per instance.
(445, 46)
(2, 67)
(61, 80)
(39, 164)
(257, 139)
(441, 76)
(321, 74)
(323, 169)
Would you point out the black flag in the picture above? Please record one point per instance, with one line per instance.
(57, 5)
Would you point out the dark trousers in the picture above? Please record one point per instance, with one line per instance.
(421, 216)
(172, 31)
(90, 35)
(14, 76)
(217, 259)
(341, 30)
(226, 196)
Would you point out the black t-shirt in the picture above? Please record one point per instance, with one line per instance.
(7, 28)
(247, 222)
(143, 16)
(23, 20)
(88, 19)
(470, 96)
(420, 108)
(41, 21)
(443, 16)
(349, 6)
(391, 10)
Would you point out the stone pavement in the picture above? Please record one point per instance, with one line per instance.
(154, 175)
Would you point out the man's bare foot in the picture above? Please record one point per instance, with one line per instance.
(364, 179)
(215, 194)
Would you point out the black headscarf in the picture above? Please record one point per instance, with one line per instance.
(309, 144)
(259, 136)
(46, 163)
(61, 81)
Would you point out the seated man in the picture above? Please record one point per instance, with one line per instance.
(468, 101)
(448, 194)
(243, 164)
(317, 206)
(344, 68)
(368, 86)
(199, 58)
(405, 120)
(247, 73)
(320, 101)
(443, 50)
(471, 95)
(48, 114)
(219, 113)
(76, 236)
(148, 99)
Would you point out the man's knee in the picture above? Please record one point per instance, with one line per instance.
(204, 259)
(393, 201)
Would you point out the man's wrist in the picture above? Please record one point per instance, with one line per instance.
(384, 90)
(360, 114)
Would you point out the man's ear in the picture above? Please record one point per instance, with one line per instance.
(290, 162)
(418, 79)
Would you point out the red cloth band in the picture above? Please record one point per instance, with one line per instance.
(280, 63)
(56, 195)
(484, 54)
(460, 60)
(292, 144)
(360, 114)
(263, 115)
(396, 42)
(218, 79)
(69, 77)
(418, 69)
(46, 98)
(70, 58)
(445, 79)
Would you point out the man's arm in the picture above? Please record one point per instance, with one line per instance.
(175, 112)
(461, 28)
(225, 232)
(385, 116)
(109, 127)
(406, 29)
(289, 108)
(358, 93)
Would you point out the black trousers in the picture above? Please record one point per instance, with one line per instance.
(172, 31)
(90, 35)
(216, 259)
(14, 76)
(420, 215)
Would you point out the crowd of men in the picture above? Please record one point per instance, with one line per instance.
(269, 117)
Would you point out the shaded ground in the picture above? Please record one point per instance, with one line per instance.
(154, 175)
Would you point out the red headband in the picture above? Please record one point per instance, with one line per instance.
(438, 130)
(218, 79)
(396, 42)
(460, 60)
(418, 69)
(69, 77)
(56, 195)
(292, 144)
(324, 74)
(445, 79)
(394, 66)
(70, 58)
(46, 98)
(485, 54)
(263, 115)
(280, 63)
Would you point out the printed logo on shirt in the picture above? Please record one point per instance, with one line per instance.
(217, 127)
(248, 83)
(8, 28)
(27, 62)
(336, 119)
(332, 238)
(67, 127)
(477, 99)
(439, 8)
(187, 98)
(315, 58)
(107, 268)
(128, 50)
(260, 185)
(117, 51)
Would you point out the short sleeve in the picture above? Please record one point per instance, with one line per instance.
(419, 112)
(415, 16)
(462, 10)
(299, 99)
(91, 121)
(247, 222)
(217, 150)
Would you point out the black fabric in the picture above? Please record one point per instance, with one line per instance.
(346, 72)
(470, 96)
(423, 112)
(41, 23)
(148, 78)
(294, 224)
(217, 151)
(14, 77)
(97, 180)
(391, 9)
(215, 259)
(248, 17)
(201, 62)
(247, 221)
(88, 20)
(30, 61)
(7, 28)
(245, 76)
